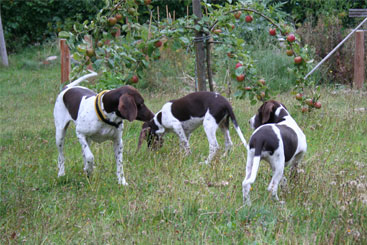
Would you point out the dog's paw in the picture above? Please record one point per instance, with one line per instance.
(247, 202)
(61, 173)
(123, 182)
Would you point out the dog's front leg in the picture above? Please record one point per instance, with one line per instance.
(227, 137)
(118, 148)
(184, 143)
(87, 154)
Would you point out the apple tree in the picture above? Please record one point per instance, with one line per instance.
(119, 47)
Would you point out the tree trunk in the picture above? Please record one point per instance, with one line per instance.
(199, 48)
(208, 63)
(3, 54)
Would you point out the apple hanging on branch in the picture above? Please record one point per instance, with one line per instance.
(248, 18)
(272, 31)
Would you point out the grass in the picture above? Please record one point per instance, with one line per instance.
(170, 197)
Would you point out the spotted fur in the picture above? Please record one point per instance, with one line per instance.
(278, 140)
(184, 115)
(77, 104)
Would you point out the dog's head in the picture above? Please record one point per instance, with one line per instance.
(128, 104)
(152, 134)
(270, 112)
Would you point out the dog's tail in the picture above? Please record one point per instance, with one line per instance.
(81, 79)
(237, 128)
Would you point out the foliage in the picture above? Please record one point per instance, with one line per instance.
(170, 197)
(302, 10)
(34, 21)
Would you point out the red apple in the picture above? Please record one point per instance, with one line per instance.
(237, 15)
(262, 81)
(299, 96)
(309, 102)
(230, 55)
(298, 60)
(147, 2)
(261, 96)
(248, 19)
(317, 105)
(291, 38)
(248, 88)
(272, 31)
(289, 52)
(158, 43)
(233, 26)
(240, 78)
(118, 17)
(134, 79)
(217, 31)
(304, 109)
(238, 65)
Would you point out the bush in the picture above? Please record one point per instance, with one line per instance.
(34, 21)
(324, 36)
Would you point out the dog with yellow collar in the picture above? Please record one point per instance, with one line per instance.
(97, 117)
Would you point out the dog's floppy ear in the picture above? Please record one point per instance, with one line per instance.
(127, 107)
(143, 134)
(266, 112)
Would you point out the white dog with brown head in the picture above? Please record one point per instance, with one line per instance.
(278, 140)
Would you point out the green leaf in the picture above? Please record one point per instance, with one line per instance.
(65, 34)
(185, 40)
(240, 70)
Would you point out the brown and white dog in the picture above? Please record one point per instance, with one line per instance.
(277, 139)
(97, 117)
(184, 115)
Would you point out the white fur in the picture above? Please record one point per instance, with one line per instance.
(88, 127)
(276, 160)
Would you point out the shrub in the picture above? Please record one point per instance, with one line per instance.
(324, 36)
(34, 21)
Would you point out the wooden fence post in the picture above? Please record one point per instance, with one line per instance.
(359, 60)
(65, 61)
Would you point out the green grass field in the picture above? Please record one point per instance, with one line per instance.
(171, 198)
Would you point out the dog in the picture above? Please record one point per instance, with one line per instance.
(97, 117)
(184, 115)
(278, 140)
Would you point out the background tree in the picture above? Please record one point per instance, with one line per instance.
(3, 53)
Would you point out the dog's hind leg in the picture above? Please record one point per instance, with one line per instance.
(294, 165)
(210, 128)
(246, 185)
(277, 164)
(62, 119)
(60, 139)
(224, 126)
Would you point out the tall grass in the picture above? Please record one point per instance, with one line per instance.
(171, 198)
